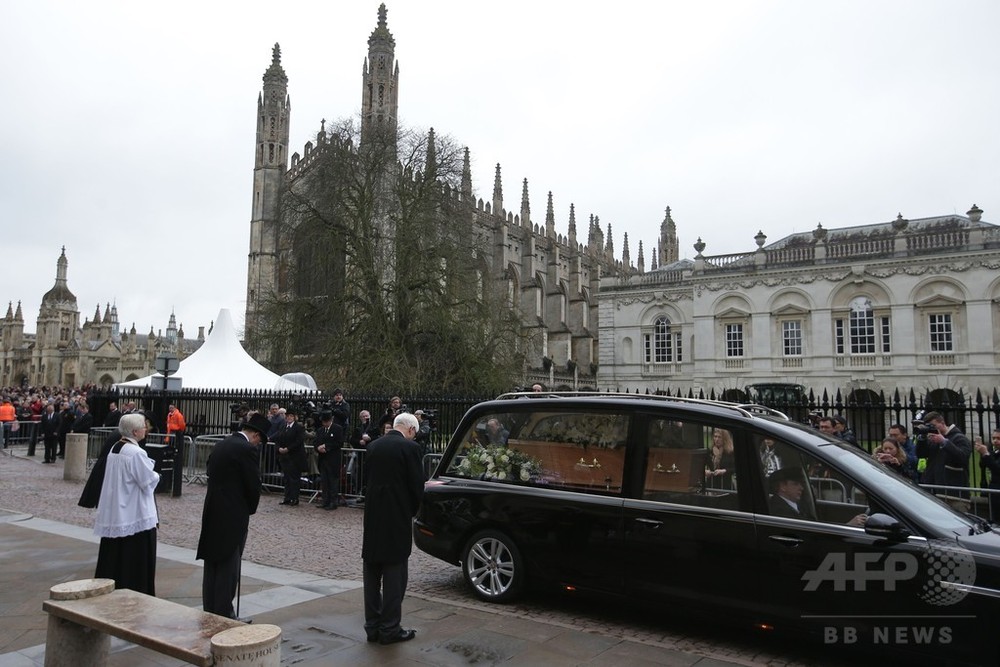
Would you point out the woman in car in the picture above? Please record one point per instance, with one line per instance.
(721, 461)
(892, 456)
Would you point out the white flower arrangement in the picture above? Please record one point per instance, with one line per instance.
(498, 462)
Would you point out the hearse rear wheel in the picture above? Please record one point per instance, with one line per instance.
(493, 566)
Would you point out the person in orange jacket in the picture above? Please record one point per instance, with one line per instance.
(8, 417)
(175, 422)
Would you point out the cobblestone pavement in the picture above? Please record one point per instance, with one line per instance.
(328, 544)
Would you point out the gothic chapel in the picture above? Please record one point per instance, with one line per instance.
(551, 278)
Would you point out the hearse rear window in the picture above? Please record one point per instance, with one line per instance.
(579, 451)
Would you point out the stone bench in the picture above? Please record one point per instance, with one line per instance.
(85, 614)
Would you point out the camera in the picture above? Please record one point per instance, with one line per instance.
(922, 428)
(431, 417)
(309, 412)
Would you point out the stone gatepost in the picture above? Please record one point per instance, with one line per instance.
(75, 468)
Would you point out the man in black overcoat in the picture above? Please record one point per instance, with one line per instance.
(395, 488)
(329, 443)
(66, 420)
(50, 432)
(232, 496)
(290, 443)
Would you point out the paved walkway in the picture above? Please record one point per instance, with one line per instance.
(320, 618)
(302, 572)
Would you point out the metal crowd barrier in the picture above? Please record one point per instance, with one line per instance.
(271, 478)
(26, 434)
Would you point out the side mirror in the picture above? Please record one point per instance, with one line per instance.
(887, 527)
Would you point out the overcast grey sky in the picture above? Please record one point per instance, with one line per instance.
(128, 128)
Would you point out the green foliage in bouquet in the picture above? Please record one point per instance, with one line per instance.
(500, 463)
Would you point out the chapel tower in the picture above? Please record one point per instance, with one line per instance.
(56, 327)
(670, 250)
(270, 166)
(380, 81)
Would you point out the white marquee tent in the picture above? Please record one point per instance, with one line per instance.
(222, 363)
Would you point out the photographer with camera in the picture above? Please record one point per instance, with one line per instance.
(423, 436)
(395, 407)
(947, 451)
(341, 410)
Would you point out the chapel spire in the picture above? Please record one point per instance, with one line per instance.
(550, 219)
(669, 245)
(380, 81)
(525, 206)
(497, 193)
(466, 177)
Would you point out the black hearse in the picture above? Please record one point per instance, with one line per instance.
(622, 494)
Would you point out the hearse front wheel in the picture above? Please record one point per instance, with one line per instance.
(493, 566)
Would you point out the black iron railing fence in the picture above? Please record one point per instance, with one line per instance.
(211, 412)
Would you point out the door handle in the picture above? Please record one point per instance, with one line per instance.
(649, 522)
(786, 540)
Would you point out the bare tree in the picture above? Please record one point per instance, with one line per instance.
(383, 276)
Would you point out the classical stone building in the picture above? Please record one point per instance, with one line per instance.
(907, 303)
(551, 277)
(62, 352)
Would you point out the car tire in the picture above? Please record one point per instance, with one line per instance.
(493, 567)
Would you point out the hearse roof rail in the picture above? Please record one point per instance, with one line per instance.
(743, 409)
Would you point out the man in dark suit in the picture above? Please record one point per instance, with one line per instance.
(290, 443)
(66, 419)
(395, 488)
(786, 486)
(84, 420)
(329, 443)
(232, 496)
(114, 416)
(50, 432)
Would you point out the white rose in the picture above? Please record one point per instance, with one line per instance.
(501, 475)
(525, 475)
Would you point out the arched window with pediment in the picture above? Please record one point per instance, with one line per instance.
(662, 345)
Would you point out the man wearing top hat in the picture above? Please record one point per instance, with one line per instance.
(329, 442)
(787, 488)
(232, 496)
(290, 443)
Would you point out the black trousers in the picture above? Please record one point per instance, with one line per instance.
(220, 581)
(385, 584)
(51, 443)
(329, 479)
(290, 476)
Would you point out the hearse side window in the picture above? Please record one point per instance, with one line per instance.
(577, 451)
(806, 488)
(690, 464)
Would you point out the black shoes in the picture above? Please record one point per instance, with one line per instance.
(293, 503)
(400, 636)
